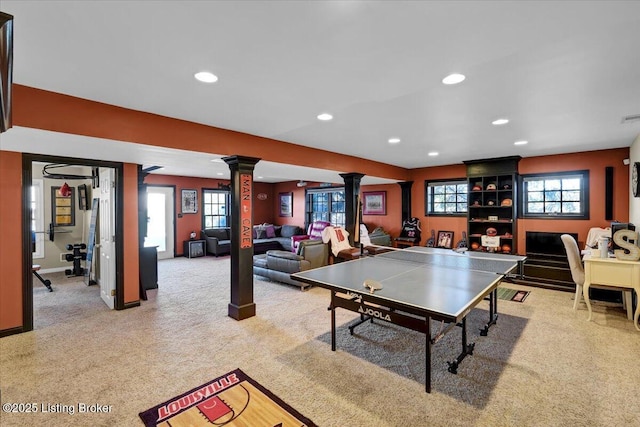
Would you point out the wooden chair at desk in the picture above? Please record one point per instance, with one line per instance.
(578, 275)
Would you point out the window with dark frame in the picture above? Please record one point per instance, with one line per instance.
(326, 204)
(446, 197)
(553, 195)
(216, 208)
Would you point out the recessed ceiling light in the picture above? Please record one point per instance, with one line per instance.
(325, 116)
(453, 79)
(432, 153)
(219, 173)
(394, 140)
(206, 77)
(520, 142)
(499, 122)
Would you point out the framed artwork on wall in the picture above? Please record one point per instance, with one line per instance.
(83, 200)
(189, 201)
(63, 207)
(374, 203)
(286, 204)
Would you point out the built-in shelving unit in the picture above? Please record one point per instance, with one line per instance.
(492, 211)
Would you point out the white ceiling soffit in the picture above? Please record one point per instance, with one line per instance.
(173, 161)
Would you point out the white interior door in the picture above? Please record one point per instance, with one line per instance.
(107, 279)
(160, 218)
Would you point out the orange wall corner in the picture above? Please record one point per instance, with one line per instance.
(11, 231)
(131, 262)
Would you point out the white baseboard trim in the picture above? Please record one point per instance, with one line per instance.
(52, 270)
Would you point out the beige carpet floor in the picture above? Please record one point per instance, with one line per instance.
(543, 364)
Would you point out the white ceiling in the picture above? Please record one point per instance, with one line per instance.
(564, 73)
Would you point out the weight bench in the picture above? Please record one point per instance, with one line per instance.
(46, 282)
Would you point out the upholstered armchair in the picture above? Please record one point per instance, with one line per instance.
(410, 233)
(314, 232)
(279, 265)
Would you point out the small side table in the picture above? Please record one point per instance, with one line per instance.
(615, 273)
(193, 248)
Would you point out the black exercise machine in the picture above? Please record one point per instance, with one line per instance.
(76, 257)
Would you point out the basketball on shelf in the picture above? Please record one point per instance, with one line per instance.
(506, 248)
(475, 246)
(506, 202)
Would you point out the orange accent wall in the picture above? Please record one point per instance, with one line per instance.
(457, 224)
(298, 203)
(10, 243)
(391, 222)
(131, 261)
(262, 209)
(595, 162)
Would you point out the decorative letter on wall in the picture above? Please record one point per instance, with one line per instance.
(624, 238)
(246, 211)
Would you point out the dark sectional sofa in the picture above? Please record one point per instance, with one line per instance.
(266, 237)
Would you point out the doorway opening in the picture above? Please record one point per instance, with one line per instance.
(160, 220)
(57, 238)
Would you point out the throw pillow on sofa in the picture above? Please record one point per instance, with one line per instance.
(261, 233)
(271, 231)
(264, 231)
(290, 230)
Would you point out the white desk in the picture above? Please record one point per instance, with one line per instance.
(612, 272)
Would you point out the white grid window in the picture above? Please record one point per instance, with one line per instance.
(556, 195)
(446, 197)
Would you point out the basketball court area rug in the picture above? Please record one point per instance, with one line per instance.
(233, 400)
(512, 294)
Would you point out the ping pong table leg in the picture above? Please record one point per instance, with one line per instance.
(427, 380)
(493, 312)
(467, 349)
(333, 321)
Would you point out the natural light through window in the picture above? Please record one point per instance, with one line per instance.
(156, 221)
(556, 195)
(37, 217)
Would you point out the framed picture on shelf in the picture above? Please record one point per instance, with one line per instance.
(286, 204)
(374, 203)
(189, 201)
(445, 239)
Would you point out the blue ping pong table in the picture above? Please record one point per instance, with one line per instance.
(417, 284)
